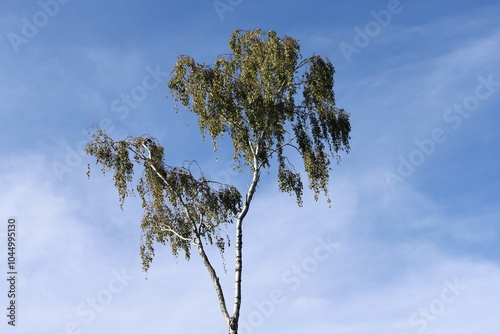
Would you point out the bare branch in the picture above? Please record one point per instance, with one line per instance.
(165, 229)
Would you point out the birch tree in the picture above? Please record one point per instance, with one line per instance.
(272, 104)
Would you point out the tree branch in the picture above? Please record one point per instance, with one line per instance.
(199, 245)
(178, 235)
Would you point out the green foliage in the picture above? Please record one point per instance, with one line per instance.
(179, 209)
(250, 95)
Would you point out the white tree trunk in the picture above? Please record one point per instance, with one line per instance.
(233, 324)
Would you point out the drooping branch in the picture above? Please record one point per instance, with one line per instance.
(180, 207)
(198, 243)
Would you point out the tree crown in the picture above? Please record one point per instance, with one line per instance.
(249, 94)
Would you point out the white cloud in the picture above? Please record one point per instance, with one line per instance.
(395, 251)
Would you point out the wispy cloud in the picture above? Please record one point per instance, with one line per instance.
(420, 257)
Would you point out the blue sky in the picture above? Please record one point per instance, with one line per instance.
(410, 245)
